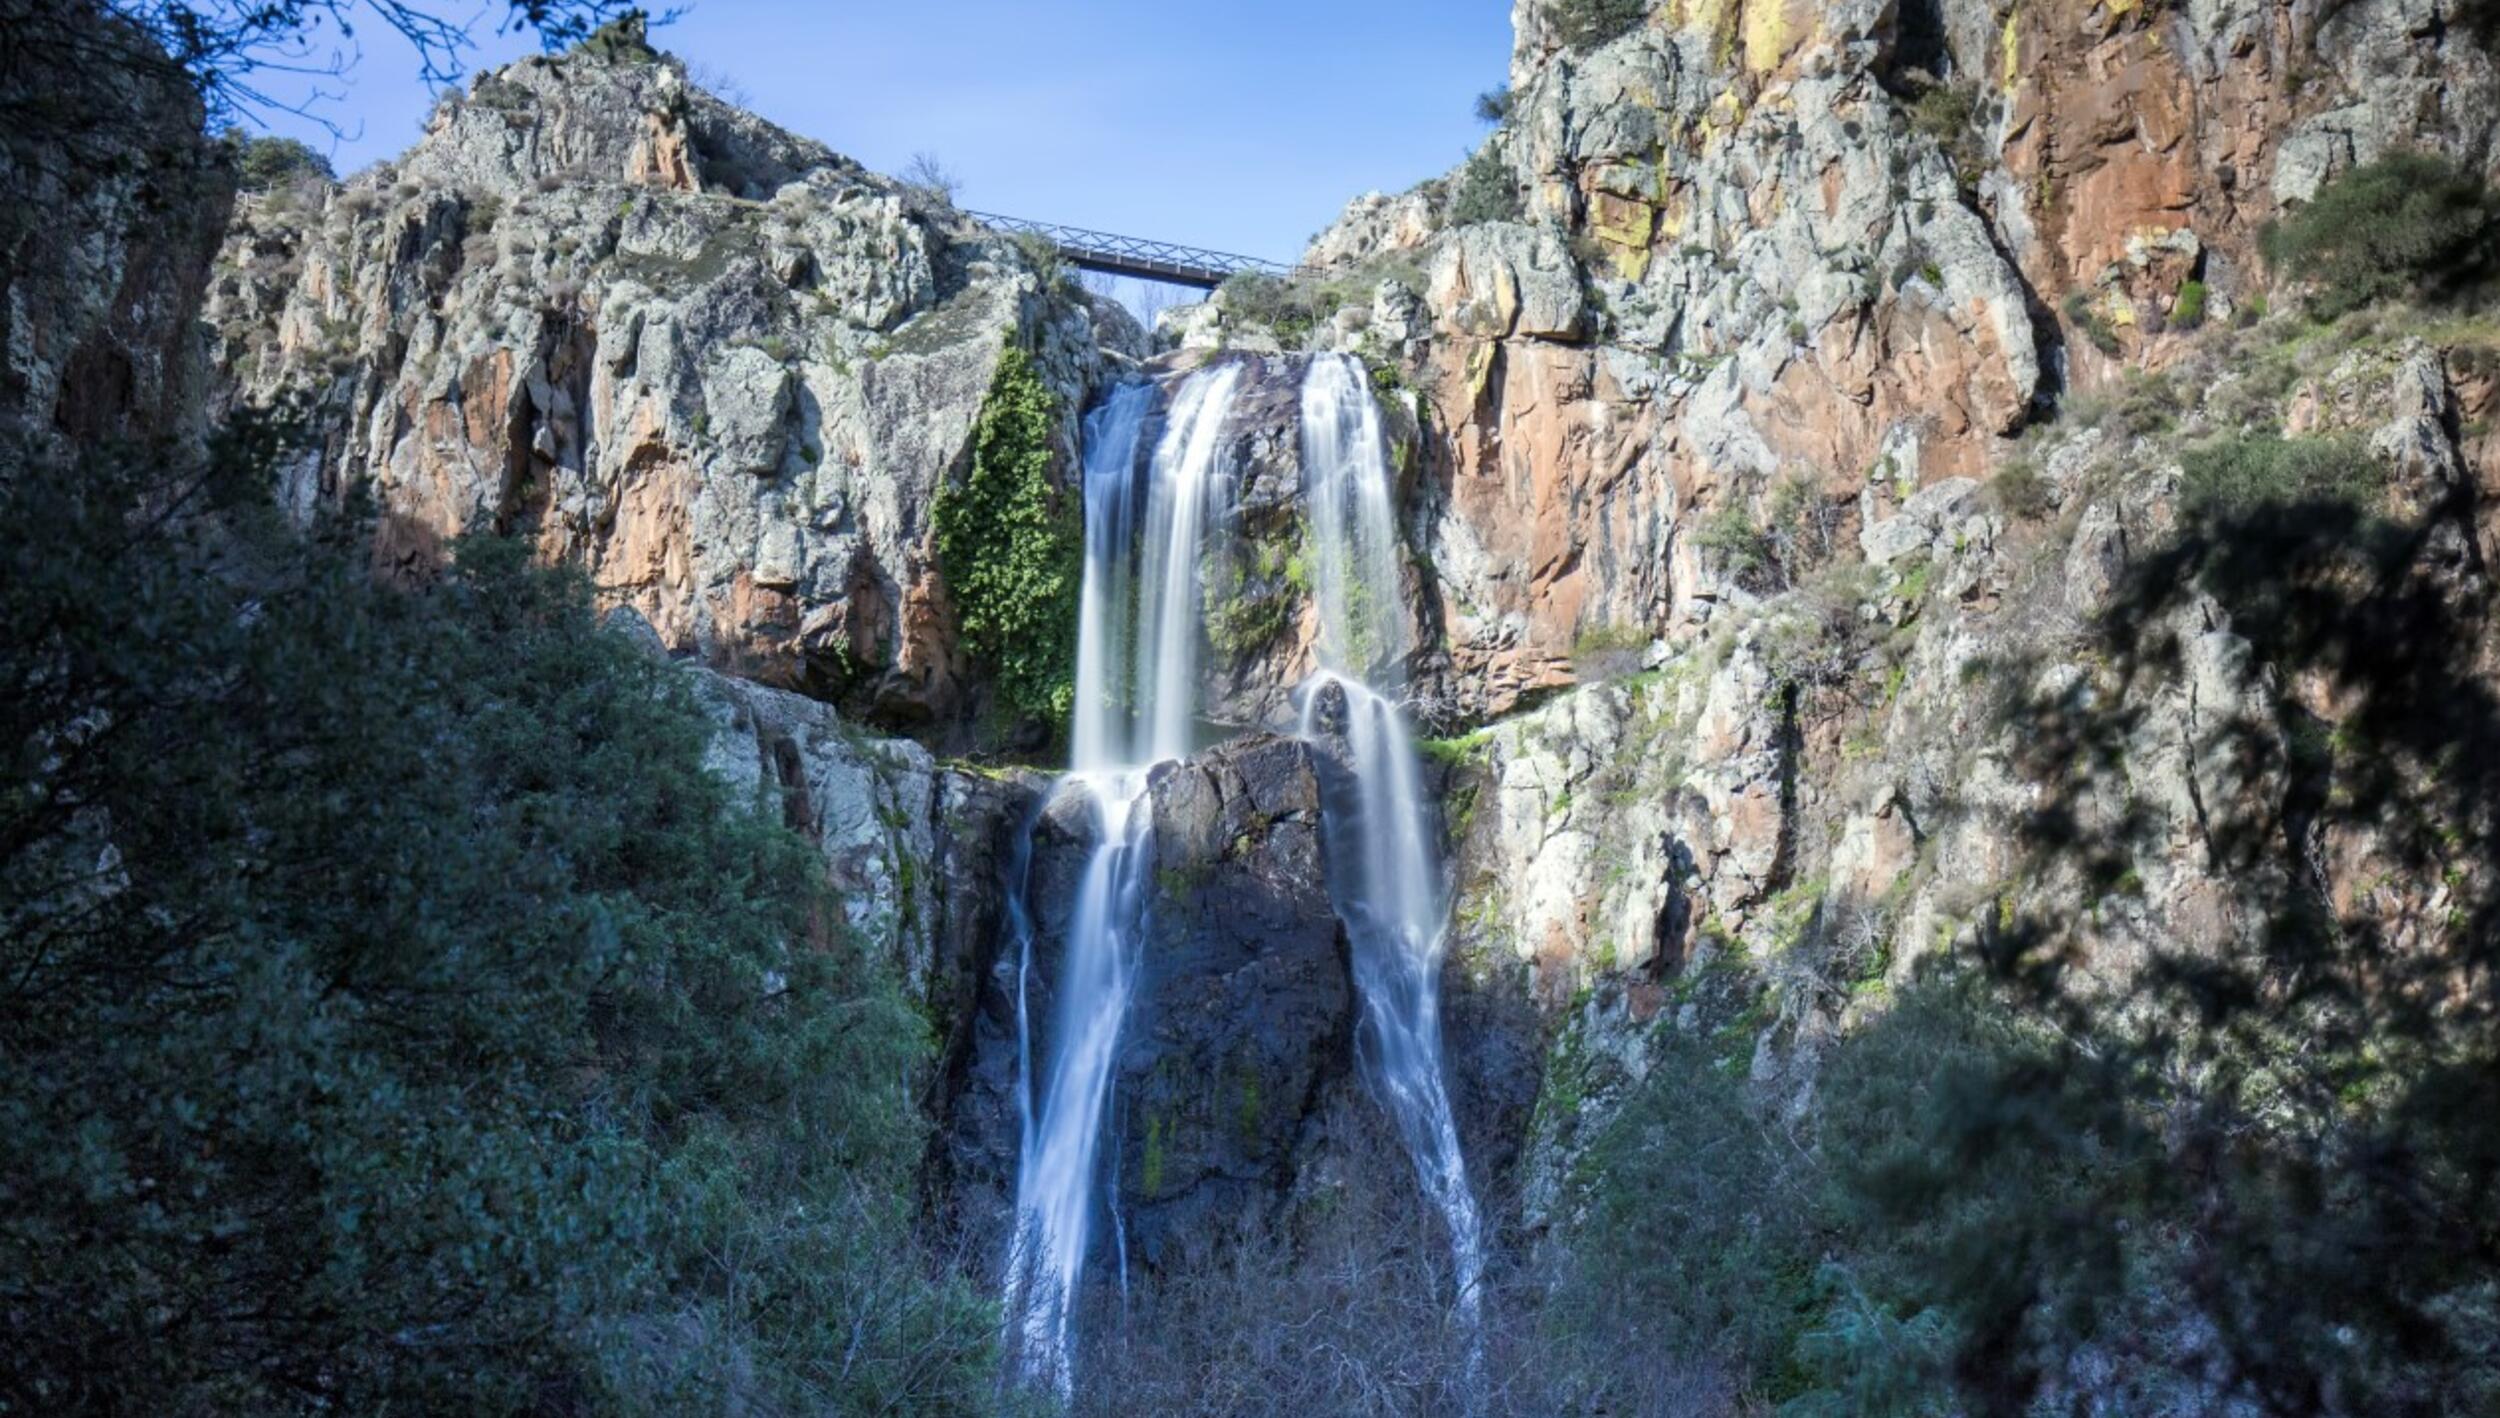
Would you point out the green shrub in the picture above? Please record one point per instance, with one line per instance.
(264, 163)
(1493, 105)
(2240, 474)
(2188, 311)
(1696, 1236)
(443, 1035)
(1295, 305)
(1011, 545)
(1485, 190)
(2085, 316)
(1949, 113)
(1587, 24)
(1866, 1362)
(2409, 224)
(623, 40)
(1733, 536)
(2020, 490)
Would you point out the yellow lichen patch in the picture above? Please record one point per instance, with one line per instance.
(2012, 43)
(1479, 370)
(1766, 35)
(1553, 197)
(1726, 111)
(1719, 20)
(2121, 311)
(1625, 226)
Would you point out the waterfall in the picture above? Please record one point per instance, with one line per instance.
(1139, 632)
(1141, 628)
(1383, 875)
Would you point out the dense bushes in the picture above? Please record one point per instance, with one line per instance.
(2409, 224)
(399, 1017)
(2240, 475)
(1697, 1239)
(1711, 1236)
(264, 162)
(1011, 545)
(1586, 24)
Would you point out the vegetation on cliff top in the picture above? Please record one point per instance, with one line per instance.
(1586, 24)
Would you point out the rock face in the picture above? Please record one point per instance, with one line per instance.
(1245, 1007)
(1238, 1106)
(1849, 773)
(116, 201)
(917, 854)
(1771, 257)
(721, 368)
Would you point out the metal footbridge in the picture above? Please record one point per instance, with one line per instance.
(1136, 256)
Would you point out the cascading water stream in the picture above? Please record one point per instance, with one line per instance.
(1383, 875)
(1136, 699)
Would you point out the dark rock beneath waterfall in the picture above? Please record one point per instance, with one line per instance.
(1039, 865)
(1245, 1011)
(1238, 1114)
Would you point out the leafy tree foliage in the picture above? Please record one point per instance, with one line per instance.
(397, 1015)
(1484, 190)
(1012, 546)
(230, 48)
(1696, 1240)
(265, 162)
(2262, 1169)
(2248, 1174)
(2244, 475)
(1586, 24)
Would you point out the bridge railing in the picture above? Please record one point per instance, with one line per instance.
(1136, 255)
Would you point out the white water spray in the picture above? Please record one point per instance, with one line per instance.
(1383, 874)
(1136, 697)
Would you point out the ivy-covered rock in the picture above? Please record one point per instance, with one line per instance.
(1011, 544)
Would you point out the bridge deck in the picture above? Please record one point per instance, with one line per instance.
(1136, 256)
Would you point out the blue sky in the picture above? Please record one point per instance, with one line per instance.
(1240, 126)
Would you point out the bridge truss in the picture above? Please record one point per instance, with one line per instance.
(1136, 256)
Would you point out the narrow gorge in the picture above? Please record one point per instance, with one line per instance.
(1820, 737)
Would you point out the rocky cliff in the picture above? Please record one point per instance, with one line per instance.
(1811, 423)
(718, 366)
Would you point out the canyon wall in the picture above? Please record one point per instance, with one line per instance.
(1776, 443)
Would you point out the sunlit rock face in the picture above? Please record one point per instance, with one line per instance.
(1850, 246)
(719, 367)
